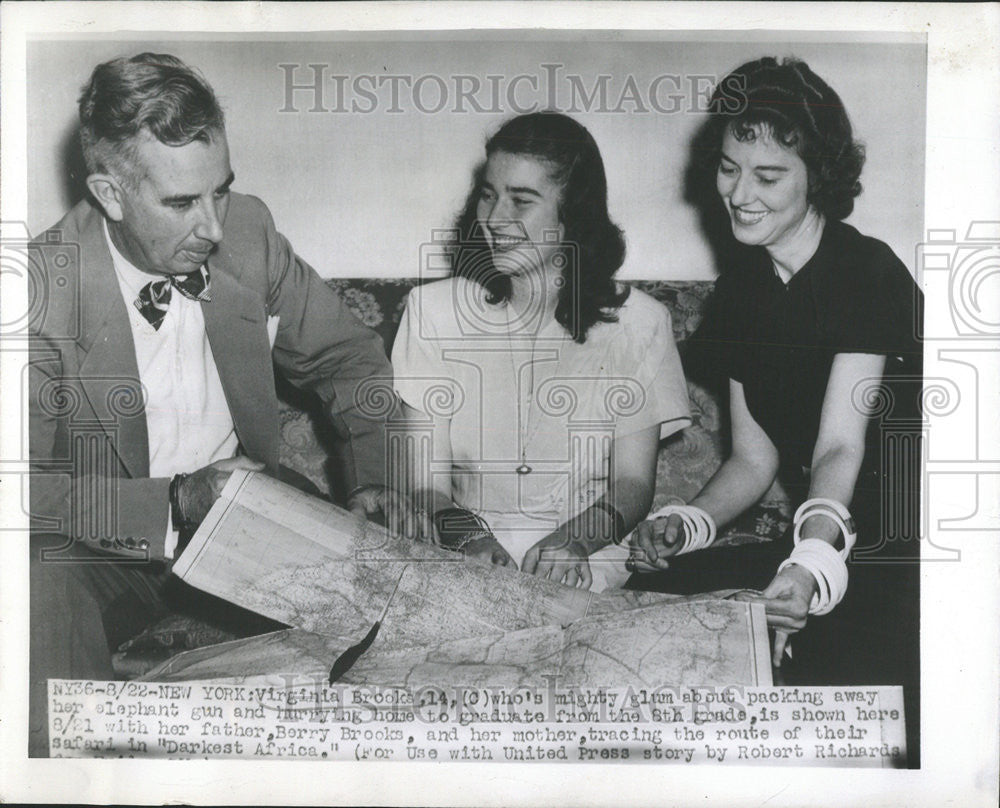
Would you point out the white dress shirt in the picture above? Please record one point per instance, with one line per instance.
(187, 417)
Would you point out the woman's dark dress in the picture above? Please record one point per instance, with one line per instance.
(779, 341)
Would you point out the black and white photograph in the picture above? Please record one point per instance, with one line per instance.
(461, 390)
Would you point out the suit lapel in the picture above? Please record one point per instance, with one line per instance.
(109, 372)
(237, 331)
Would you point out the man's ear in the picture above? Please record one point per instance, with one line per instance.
(107, 190)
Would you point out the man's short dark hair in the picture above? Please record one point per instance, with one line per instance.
(152, 92)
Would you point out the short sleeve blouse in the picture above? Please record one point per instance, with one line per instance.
(509, 389)
(779, 340)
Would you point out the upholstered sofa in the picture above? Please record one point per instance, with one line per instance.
(686, 460)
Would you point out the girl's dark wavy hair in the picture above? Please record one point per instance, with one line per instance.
(594, 245)
(802, 112)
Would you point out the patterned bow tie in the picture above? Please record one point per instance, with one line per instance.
(154, 298)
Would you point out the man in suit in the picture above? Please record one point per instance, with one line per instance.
(169, 298)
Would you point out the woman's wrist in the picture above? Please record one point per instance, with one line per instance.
(578, 545)
(697, 527)
(615, 530)
(804, 577)
(595, 528)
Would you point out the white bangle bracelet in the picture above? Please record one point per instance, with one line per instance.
(828, 568)
(833, 510)
(699, 527)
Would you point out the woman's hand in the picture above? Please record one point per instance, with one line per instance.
(786, 601)
(654, 541)
(559, 559)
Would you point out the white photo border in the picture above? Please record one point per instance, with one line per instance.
(960, 602)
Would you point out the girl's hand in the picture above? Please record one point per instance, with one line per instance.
(559, 560)
(487, 550)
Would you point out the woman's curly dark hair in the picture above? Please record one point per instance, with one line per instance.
(803, 113)
(594, 246)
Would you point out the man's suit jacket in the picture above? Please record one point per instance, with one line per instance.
(87, 428)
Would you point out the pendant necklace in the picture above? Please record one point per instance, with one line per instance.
(523, 424)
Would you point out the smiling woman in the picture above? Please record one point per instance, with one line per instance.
(544, 172)
(529, 340)
(814, 325)
(518, 209)
(765, 187)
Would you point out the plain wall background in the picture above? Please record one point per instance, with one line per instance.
(357, 194)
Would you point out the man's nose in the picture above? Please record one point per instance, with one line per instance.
(209, 226)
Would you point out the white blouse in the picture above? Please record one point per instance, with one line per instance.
(524, 394)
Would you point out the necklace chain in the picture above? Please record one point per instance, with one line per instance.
(524, 431)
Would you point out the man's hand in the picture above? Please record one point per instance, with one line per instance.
(786, 601)
(560, 560)
(400, 515)
(201, 488)
(654, 541)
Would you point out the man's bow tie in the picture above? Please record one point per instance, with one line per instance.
(154, 298)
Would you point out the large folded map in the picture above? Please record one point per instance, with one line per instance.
(329, 575)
